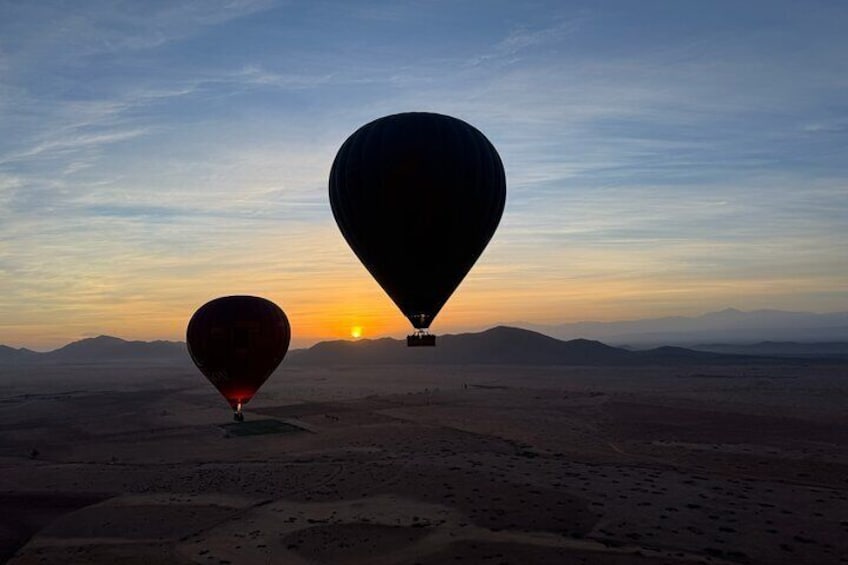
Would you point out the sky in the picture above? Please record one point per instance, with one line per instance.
(662, 158)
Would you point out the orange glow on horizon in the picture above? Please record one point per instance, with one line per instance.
(319, 310)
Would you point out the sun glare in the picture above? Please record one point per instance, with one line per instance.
(356, 332)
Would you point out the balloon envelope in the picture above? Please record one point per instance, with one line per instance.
(237, 342)
(418, 196)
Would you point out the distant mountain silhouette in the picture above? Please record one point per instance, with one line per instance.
(102, 349)
(500, 345)
(12, 355)
(497, 346)
(818, 350)
(729, 326)
(106, 348)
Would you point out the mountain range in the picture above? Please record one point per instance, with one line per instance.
(729, 326)
(102, 349)
(496, 346)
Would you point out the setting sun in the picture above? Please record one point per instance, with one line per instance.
(356, 332)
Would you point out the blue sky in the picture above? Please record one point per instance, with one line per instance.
(662, 157)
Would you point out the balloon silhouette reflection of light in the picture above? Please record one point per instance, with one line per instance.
(356, 332)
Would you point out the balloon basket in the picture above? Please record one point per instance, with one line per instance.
(421, 340)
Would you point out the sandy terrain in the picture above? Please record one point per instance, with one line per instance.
(427, 465)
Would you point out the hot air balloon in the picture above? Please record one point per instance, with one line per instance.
(418, 196)
(237, 342)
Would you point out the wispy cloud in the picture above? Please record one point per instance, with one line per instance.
(107, 27)
(75, 143)
(256, 75)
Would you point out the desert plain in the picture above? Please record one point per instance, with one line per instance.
(424, 464)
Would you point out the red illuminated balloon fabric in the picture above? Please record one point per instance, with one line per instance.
(237, 342)
(418, 196)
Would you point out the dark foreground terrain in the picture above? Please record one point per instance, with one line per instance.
(452, 464)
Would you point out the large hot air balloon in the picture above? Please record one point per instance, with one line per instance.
(418, 196)
(237, 342)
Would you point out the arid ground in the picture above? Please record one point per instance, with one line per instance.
(399, 465)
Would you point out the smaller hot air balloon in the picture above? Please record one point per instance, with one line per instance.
(237, 342)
